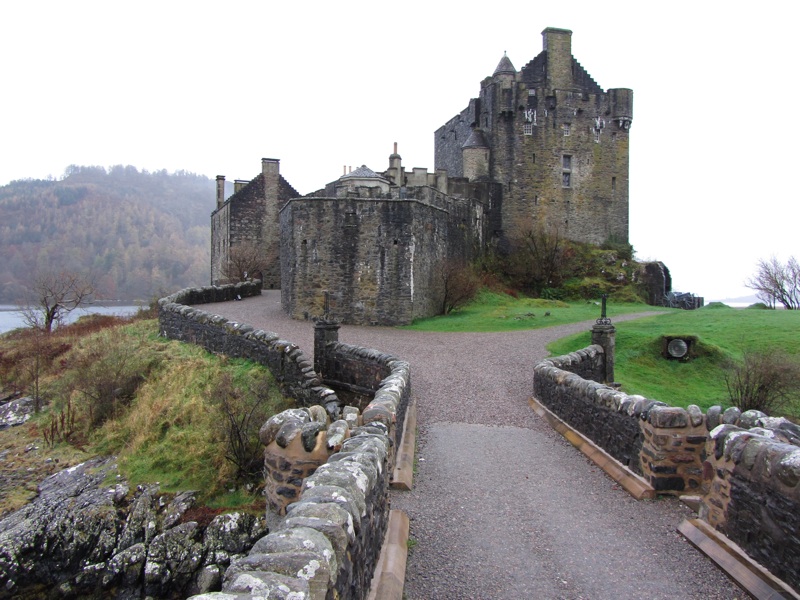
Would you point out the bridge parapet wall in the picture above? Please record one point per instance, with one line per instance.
(180, 320)
(744, 466)
(329, 541)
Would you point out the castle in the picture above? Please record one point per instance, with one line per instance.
(544, 146)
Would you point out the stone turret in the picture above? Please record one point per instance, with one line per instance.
(475, 153)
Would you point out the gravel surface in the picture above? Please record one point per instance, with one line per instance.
(502, 506)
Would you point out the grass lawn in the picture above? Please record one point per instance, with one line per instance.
(723, 334)
(500, 312)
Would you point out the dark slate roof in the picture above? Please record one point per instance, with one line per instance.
(476, 140)
(505, 66)
(362, 172)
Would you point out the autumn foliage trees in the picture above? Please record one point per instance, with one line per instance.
(140, 233)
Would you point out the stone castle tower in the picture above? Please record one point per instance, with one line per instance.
(544, 146)
(556, 142)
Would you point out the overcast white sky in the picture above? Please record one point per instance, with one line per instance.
(214, 87)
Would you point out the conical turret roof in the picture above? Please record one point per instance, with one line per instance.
(505, 66)
(476, 140)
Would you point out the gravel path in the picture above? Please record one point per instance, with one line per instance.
(502, 506)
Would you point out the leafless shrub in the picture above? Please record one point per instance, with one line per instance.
(243, 411)
(61, 427)
(766, 382)
(538, 260)
(459, 284)
(109, 374)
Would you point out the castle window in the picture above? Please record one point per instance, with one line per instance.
(566, 128)
(613, 184)
(566, 172)
(527, 128)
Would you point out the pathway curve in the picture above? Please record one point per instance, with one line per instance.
(502, 506)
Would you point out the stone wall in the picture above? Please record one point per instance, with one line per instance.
(379, 383)
(250, 216)
(379, 259)
(568, 386)
(329, 542)
(293, 371)
(744, 466)
(663, 444)
(328, 468)
(752, 491)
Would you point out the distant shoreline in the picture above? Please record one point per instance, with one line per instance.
(11, 316)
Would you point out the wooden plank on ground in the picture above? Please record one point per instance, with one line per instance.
(751, 576)
(632, 483)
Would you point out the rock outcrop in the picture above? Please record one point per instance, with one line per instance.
(88, 534)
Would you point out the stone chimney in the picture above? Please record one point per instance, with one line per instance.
(238, 184)
(395, 172)
(558, 45)
(220, 190)
(270, 166)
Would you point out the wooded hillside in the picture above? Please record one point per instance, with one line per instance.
(139, 233)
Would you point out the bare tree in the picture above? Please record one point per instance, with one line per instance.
(777, 282)
(460, 284)
(246, 261)
(54, 294)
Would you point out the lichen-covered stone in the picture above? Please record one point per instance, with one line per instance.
(178, 506)
(695, 415)
(668, 417)
(299, 539)
(731, 416)
(233, 532)
(261, 584)
(337, 433)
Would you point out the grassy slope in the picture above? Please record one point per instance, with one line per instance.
(723, 333)
(169, 433)
(499, 312)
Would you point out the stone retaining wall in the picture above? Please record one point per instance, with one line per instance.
(336, 514)
(379, 384)
(180, 320)
(745, 466)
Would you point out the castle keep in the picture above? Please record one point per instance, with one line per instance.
(543, 147)
(555, 141)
